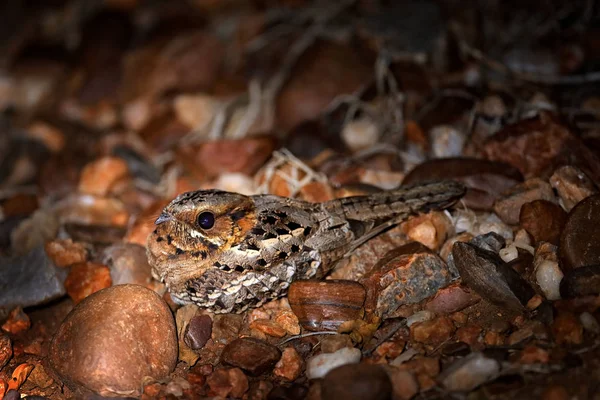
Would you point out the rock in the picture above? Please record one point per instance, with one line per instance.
(434, 332)
(581, 282)
(325, 305)
(357, 381)
(128, 263)
(580, 239)
(589, 322)
(305, 95)
(469, 372)
(572, 185)
(198, 331)
(290, 365)
(430, 229)
(29, 280)
(397, 279)
(229, 382)
(508, 207)
(490, 277)
(404, 383)
(34, 232)
(85, 279)
(115, 339)
(196, 111)
(268, 327)
(318, 366)
(543, 220)
(252, 355)
(332, 343)
(451, 299)
(288, 321)
(6, 350)
(485, 180)
(65, 252)
(17, 322)
(535, 145)
(98, 177)
(211, 159)
(360, 134)
(446, 141)
(555, 392)
(548, 274)
(567, 329)
(226, 327)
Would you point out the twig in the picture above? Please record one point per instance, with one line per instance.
(306, 335)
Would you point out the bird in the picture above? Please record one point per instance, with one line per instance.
(227, 252)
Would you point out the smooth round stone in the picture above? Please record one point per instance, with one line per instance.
(580, 239)
(113, 340)
(357, 381)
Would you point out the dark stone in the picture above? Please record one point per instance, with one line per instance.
(198, 332)
(580, 239)
(357, 381)
(252, 355)
(29, 280)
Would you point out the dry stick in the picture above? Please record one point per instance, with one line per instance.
(306, 335)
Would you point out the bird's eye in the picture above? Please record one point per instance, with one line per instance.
(206, 220)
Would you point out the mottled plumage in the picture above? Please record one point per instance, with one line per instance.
(228, 252)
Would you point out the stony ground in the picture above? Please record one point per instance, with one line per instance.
(111, 108)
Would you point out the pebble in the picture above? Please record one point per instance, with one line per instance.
(208, 160)
(548, 274)
(404, 383)
(396, 280)
(99, 176)
(128, 264)
(572, 185)
(325, 305)
(226, 327)
(198, 331)
(508, 206)
(567, 329)
(357, 382)
(115, 339)
(227, 382)
(17, 322)
(430, 229)
(85, 279)
(469, 372)
(360, 134)
(268, 327)
(290, 365)
(451, 299)
(65, 252)
(318, 366)
(490, 277)
(29, 280)
(288, 321)
(420, 316)
(543, 220)
(581, 282)
(433, 332)
(6, 350)
(589, 322)
(580, 239)
(195, 111)
(305, 95)
(252, 355)
(332, 343)
(446, 141)
(531, 145)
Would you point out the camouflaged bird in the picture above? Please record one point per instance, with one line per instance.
(228, 252)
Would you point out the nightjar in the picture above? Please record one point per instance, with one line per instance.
(228, 252)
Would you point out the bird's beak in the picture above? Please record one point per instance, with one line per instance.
(163, 217)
